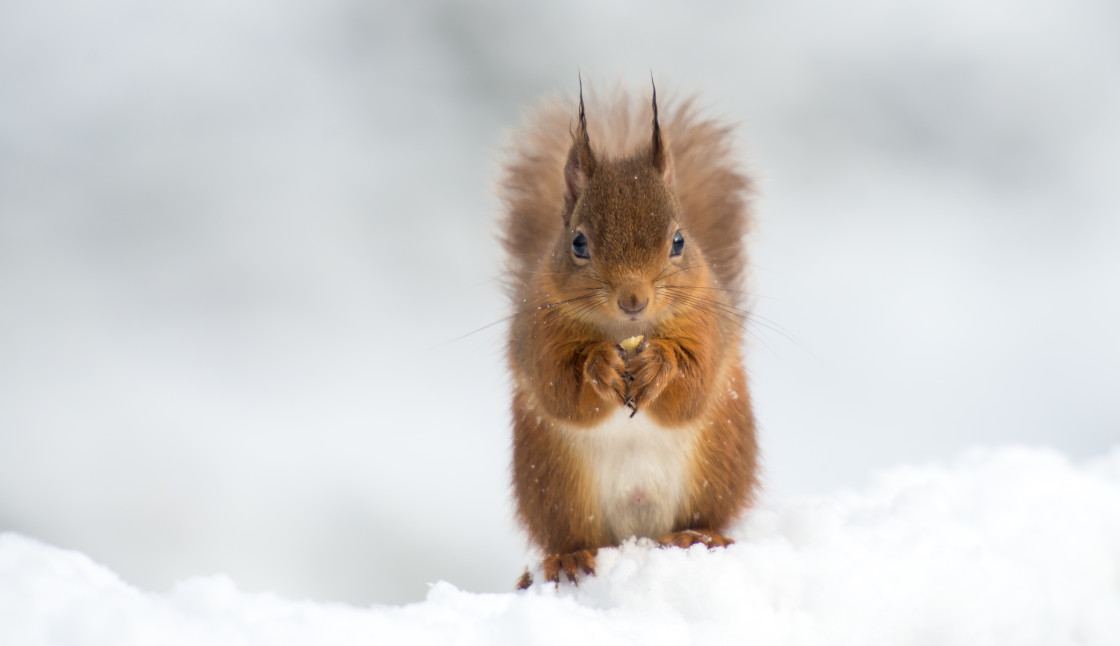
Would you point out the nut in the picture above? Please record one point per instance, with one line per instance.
(631, 344)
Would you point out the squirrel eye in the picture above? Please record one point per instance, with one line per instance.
(579, 246)
(678, 244)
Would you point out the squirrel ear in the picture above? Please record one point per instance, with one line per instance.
(581, 162)
(659, 152)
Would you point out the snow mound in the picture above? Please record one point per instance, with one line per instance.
(1013, 546)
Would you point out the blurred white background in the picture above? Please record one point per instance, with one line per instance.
(236, 239)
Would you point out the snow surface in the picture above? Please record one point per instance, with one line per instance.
(1011, 546)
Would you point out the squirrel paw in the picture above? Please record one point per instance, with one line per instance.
(569, 564)
(650, 370)
(689, 537)
(605, 371)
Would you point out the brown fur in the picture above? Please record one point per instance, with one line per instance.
(628, 187)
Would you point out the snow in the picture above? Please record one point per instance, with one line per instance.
(1009, 546)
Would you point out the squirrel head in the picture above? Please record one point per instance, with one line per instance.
(623, 242)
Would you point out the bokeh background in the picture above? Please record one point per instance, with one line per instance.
(240, 244)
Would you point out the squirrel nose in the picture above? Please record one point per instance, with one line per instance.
(631, 304)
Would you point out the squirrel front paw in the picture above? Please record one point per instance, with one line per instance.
(605, 372)
(650, 369)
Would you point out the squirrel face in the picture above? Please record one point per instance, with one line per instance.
(622, 239)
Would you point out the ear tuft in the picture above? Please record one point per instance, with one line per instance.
(581, 162)
(659, 152)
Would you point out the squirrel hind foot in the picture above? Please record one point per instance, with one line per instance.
(689, 537)
(570, 564)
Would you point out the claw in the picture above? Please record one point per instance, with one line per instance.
(550, 568)
(568, 564)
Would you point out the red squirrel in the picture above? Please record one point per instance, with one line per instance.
(620, 229)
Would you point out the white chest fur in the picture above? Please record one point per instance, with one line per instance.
(640, 470)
